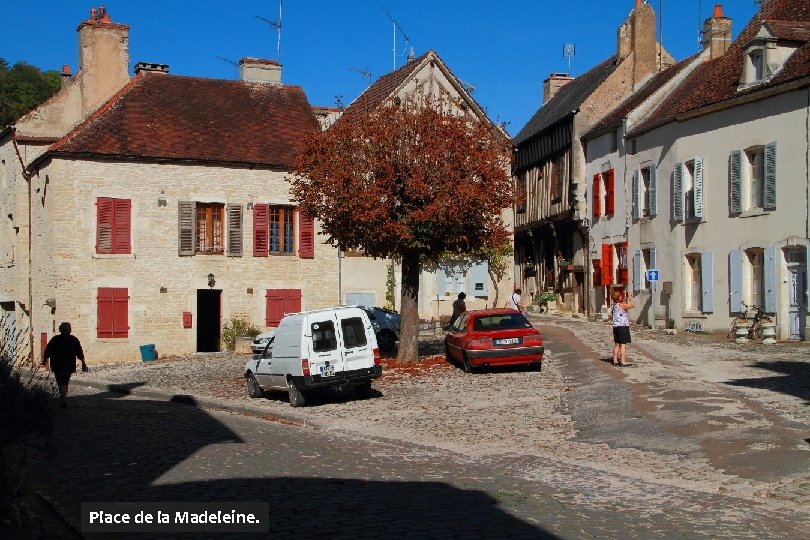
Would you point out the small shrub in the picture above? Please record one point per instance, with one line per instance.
(236, 328)
(670, 324)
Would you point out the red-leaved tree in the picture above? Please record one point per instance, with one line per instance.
(411, 183)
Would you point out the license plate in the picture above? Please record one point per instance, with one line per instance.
(328, 371)
(507, 341)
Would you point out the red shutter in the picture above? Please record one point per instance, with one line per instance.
(306, 236)
(597, 196)
(104, 224)
(621, 248)
(122, 230)
(113, 312)
(610, 199)
(607, 264)
(261, 230)
(279, 302)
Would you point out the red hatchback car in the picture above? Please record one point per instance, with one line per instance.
(493, 337)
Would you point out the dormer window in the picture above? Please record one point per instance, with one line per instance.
(767, 53)
(756, 60)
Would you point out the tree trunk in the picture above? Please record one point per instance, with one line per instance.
(409, 331)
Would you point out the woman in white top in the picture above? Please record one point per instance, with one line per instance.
(621, 324)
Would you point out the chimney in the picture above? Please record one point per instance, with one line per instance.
(151, 68)
(553, 84)
(103, 58)
(636, 35)
(717, 33)
(257, 70)
(66, 77)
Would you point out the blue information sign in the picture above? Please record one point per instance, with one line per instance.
(652, 275)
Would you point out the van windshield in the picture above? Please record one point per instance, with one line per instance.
(354, 332)
(323, 336)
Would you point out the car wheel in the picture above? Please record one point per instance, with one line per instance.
(468, 367)
(447, 353)
(386, 340)
(253, 388)
(363, 391)
(296, 395)
(536, 366)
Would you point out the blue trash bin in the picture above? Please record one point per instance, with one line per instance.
(148, 352)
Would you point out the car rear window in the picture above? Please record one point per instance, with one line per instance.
(501, 322)
(323, 336)
(354, 332)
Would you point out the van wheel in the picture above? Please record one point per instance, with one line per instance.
(253, 388)
(468, 367)
(363, 391)
(386, 340)
(296, 396)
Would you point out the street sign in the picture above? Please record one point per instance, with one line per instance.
(652, 275)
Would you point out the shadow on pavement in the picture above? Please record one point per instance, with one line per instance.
(108, 449)
(794, 380)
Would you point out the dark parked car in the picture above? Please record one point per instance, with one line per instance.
(493, 337)
(386, 325)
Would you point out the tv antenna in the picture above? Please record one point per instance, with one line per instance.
(277, 26)
(469, 88)
(234, 64)
(397, 27)
(365, 73)
(569, 50)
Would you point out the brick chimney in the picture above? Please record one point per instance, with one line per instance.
(553, 84)
(717, 33)
(103, 58)
(257, 70)
(636, 35)
(151, 67)
(66, 77)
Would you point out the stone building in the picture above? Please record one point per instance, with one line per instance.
(153, 209)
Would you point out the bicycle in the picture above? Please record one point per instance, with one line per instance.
(760, 317)
(742, 318)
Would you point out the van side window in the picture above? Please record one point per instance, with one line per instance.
(323, 336)
(354, 333)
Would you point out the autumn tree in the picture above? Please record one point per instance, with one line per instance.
(410, 183)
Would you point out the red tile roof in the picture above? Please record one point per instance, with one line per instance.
(167, 117)
(717, 81)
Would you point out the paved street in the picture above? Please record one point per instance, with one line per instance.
(345, 483)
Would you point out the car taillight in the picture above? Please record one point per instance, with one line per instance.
(483, 343)
(305, 366)
(532, 340)
(377, 359)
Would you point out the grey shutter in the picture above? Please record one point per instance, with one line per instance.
(637, 282)
(186, 230)
(441, 281)
(735, 285)
(707, 282)
(735, 189)
(698, 187)
(769, 203)
(234, 230)
(677, 192)
(636, 175)
(770, 279)
(653, 203)
(478, 279)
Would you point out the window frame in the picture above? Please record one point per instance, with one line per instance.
(209, 231)
(693, 299)
(751, 154)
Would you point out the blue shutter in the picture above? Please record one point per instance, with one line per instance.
(698, 187)
(735, 277)
(770, 279)
(478, 279)
(653, 203)
(637, 282)
(735, 189)
(707, 282)
(769, 203)
(677, 192)
(441, 281)
(635, 193)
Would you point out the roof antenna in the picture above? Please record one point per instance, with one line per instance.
(569, 50)
(365, 73)
(397, 27)
(234, 64)
(277, 26)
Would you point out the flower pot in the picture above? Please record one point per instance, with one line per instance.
(768, 333)
(741, 333)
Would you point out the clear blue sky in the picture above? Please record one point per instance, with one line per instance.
(505, 49)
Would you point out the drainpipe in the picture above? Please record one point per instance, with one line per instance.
(27, 176)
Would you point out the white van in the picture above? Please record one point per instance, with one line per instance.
(316, 349)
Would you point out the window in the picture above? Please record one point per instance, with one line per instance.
(279, 302)
(693, 283)
(354, 333)
(754, 187)
(112, 309)
(756, 64)
(754, 284)
(520, 205)
(753, 179)
(699, 282)
(614, 140)
(274, 231)
(500, 322)
(644, 201)
(113, 225)
(596, 192)
(643, 260)
(687, 186)
(689, 189)
(323, 336)
(201, 229)
(209, 228)
(281, 230)
(621, 266)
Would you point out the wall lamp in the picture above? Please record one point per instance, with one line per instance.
(211, 280)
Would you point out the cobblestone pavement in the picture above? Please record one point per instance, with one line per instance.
(700, 438)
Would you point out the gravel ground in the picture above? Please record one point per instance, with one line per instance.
(515, 412)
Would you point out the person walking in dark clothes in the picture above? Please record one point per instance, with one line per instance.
(62, 351)
(459, 307)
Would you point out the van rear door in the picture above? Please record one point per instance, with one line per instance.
(357, 337)
(325, 358)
